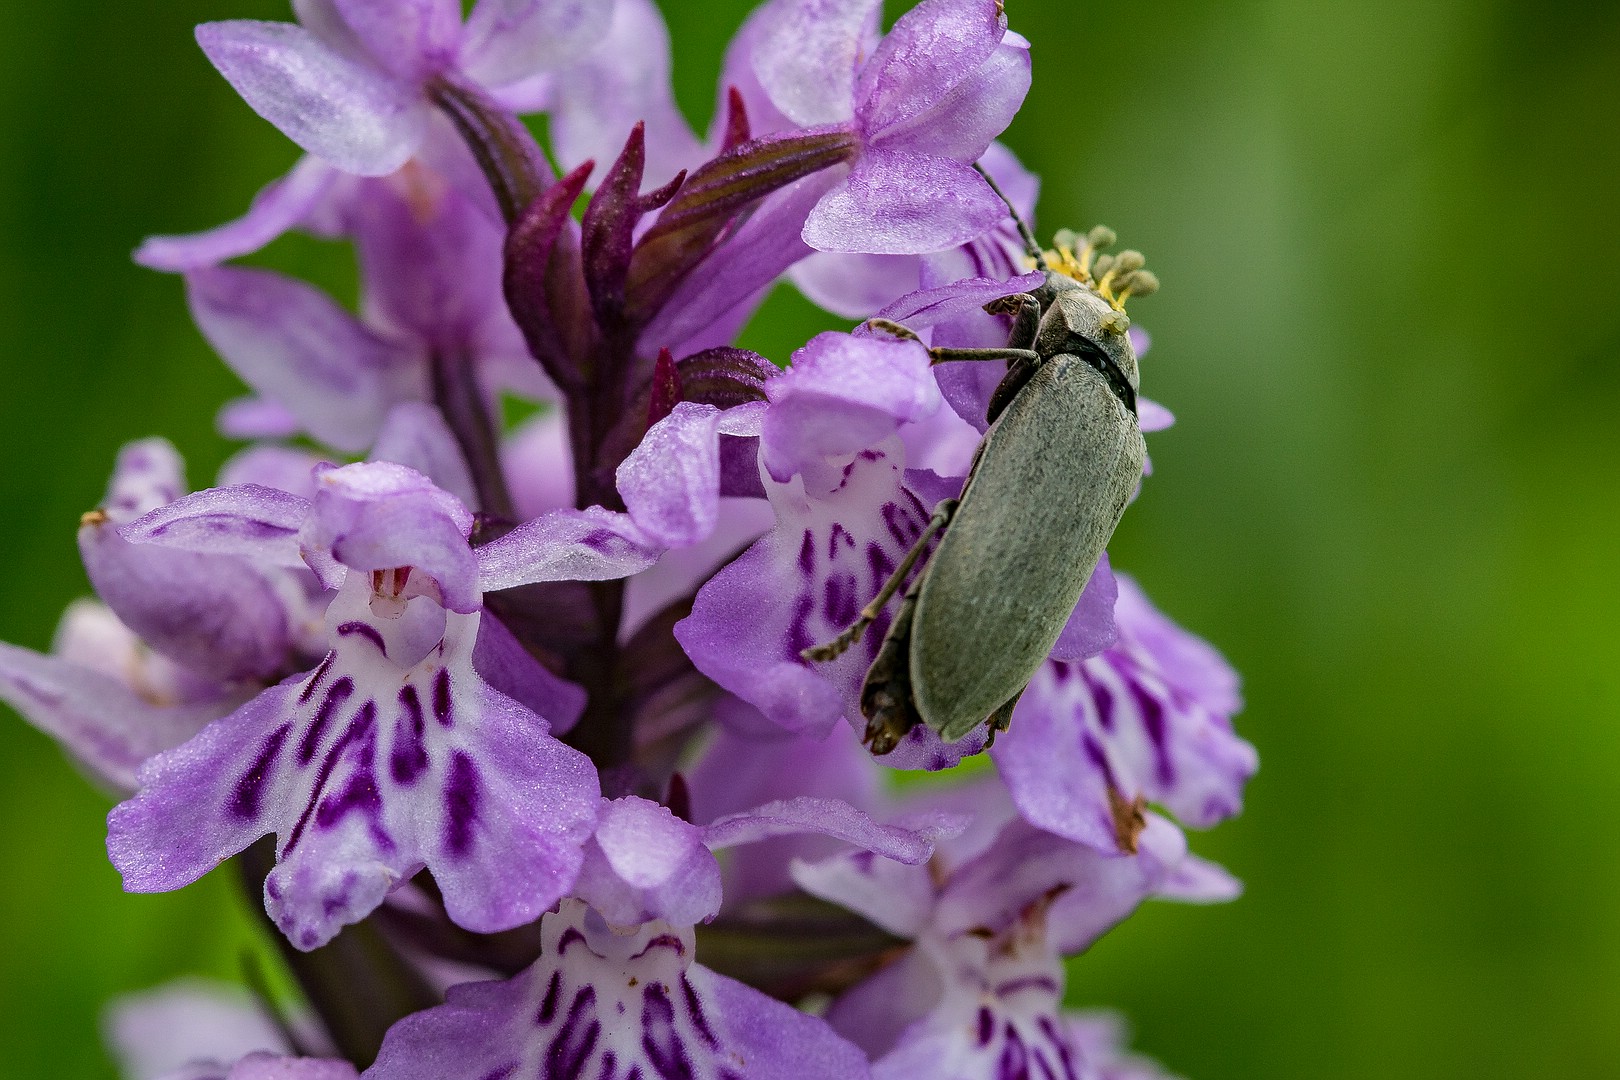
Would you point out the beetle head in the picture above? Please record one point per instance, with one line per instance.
(1079, 320)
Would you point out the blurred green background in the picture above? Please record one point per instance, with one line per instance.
(1388, 237)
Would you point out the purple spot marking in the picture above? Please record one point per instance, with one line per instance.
(250, 788)
(356, 628)
(807, 553)
(838, 535)
(339, 692)
(548, 1004)
(799, 637)
(1153, 722)
(315, 679)
(660, 1039)
(662, 941)
(409, 759)
(870, 455)
(694, 1005)
(461, 798)
(878, 561)
(1065, 1057)
(441, 697)
(573, 1044)
(1027, 982)
(1095, 754)
(987, 1026)
(603, 541)
(838, 599)
(361, 727)
(1014, 1063)
(898, 524)
(360, 794)
(1104, 698)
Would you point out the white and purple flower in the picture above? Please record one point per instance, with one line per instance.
(527, 711)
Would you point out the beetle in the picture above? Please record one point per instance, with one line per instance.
(1047, 487)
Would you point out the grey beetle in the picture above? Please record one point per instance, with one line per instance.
(1046, 489)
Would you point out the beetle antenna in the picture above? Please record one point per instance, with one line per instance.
(1031, 248)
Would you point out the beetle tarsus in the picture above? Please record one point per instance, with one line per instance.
(832, 650)
(1001, 719)
(886, 699)
(894, 329)
(835, 648)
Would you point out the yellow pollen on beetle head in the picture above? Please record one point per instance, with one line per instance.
(1114, 277)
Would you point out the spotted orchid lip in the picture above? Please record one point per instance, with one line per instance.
(369, 771)
(605, 1005)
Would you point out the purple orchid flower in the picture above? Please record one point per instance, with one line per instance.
(979, 995)
(351, 81)
(434, 323)
(1147, 721)
(394, 753)
(924, 104)
(179, 640)
(616, 991)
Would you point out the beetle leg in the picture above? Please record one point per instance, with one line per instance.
(1017, 356)
(894, 329)
(1001, 719)
(886, 699)
(1019, 372)
(835, 648)
(1026, 314)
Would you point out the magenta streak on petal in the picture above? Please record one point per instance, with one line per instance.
(360, 629)
(360, 727)
(316, 677)
(409, 758)
(441, 698)
(334, 699)
(462, 797)
(1102, 697)
(1153, 723)
(249, 794)
(548, 1004)
(576, 1038)
(360, 794)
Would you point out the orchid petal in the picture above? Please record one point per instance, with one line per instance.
(259, 523)
(1090, 629)
(101, 721)
(842, 394)
(566, 545)
(945, 81)
(416, 436)
(281, 206)
(897, 202)
(805, 55)
(829, 817)
(410, 38)
(1149, 717)
(508, 40)
(671, 482)
(352, 116)
(380, 516)
(623, 79)
(292, 343)
(644, 863)
(597, 1003)
(370, 767)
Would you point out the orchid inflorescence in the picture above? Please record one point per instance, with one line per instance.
(503, 694)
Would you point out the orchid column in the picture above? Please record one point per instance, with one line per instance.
(509, 725)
